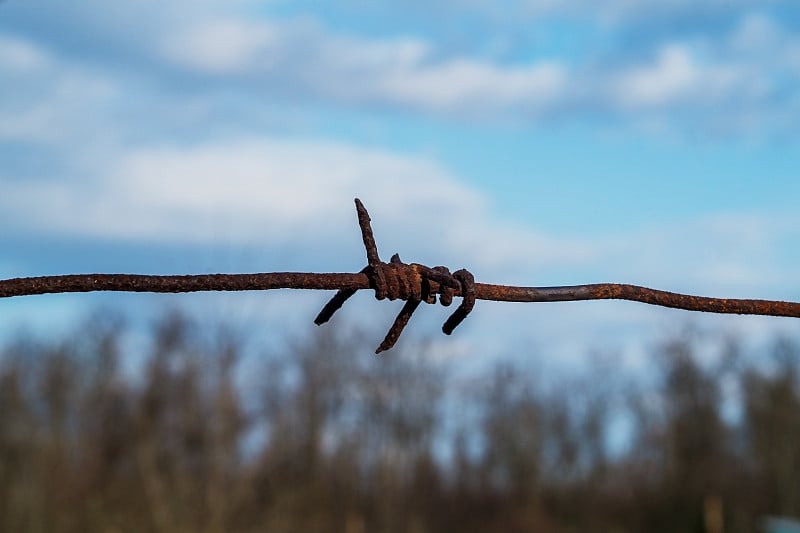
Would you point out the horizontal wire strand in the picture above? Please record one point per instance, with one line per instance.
(355, 281)
(413, 283)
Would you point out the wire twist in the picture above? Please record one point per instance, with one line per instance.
(413, 283)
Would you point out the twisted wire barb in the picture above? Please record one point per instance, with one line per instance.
(413, 283)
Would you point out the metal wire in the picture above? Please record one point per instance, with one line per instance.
(347, 281)
(394, 280)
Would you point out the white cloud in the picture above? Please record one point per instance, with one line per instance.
(396, 71)
(257, 187)
(463, 86)
(42, 100)
(407, 72)
(222, 47)
(756, 32)
(729, 79)
(672, 76)
(631, 11)
(675, 78)
(714, 254)
(56, 111)
(708, 81)
(761, 39)
(300, 47)
(20, 56)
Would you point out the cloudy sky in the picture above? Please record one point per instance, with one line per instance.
(535, 142)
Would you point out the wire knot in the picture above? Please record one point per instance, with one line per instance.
(395, 280)
(413, 283)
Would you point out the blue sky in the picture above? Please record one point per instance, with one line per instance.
(535, 142)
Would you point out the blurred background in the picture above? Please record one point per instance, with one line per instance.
(530, 141)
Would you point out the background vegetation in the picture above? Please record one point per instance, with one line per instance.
(190, 433)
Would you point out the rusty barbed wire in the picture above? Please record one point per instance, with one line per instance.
(414, 283)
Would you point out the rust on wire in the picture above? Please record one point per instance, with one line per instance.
(413, 283)
(395, 280)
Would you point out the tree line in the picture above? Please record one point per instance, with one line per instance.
(201, 434)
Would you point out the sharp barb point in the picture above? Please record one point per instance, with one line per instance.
(399, 324)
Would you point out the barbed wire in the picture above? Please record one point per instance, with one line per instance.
(414, 283)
